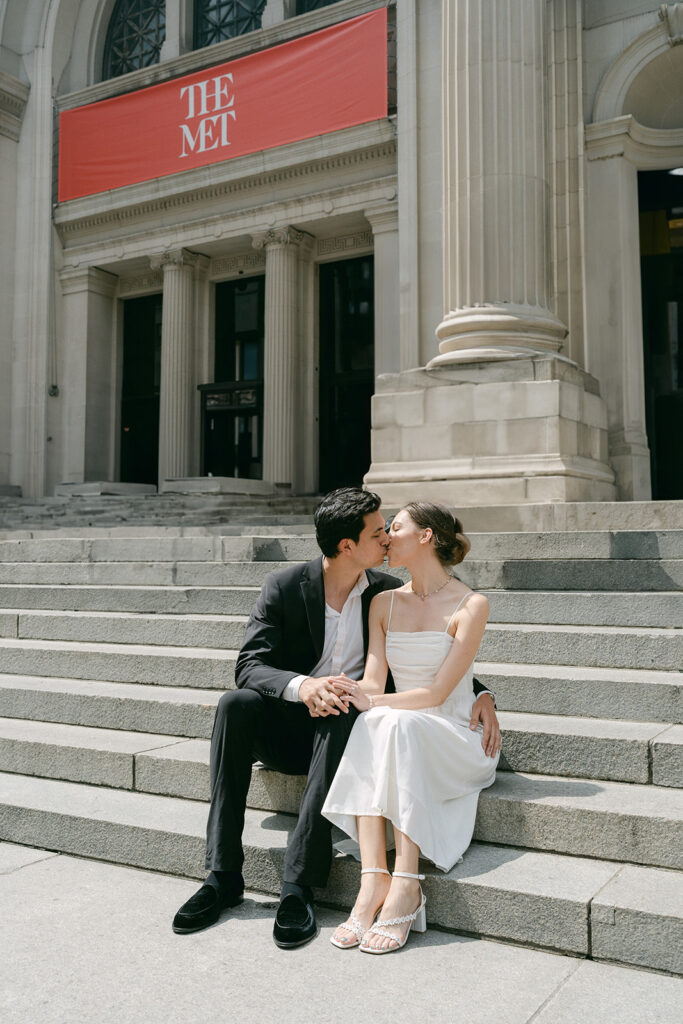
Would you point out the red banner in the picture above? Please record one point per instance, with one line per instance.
(319, 83)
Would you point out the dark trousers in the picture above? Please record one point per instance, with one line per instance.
(281, 734)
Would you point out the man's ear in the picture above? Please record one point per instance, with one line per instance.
(344, 545)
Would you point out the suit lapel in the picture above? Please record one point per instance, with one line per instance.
(313, 593)
(366, 598)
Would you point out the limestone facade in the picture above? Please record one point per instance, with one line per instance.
(500, 202)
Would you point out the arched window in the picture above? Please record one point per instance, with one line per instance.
(136, 32)
(215, 20)
(303, 6)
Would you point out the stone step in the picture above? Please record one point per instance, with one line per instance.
(158, 709)
(602, 647)
(603, 545)
(613, 821)
(638, 575)
(206, 668)
(637, 695)
(608, 820)
(526, 607)
(174, 766)
(540, 899)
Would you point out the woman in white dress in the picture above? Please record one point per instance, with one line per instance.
(412, 758)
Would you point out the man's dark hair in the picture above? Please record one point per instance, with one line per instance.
(341, 515)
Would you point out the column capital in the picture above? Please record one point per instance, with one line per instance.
(382, 217)
(88, 279)
(174, 258)
(287, 235)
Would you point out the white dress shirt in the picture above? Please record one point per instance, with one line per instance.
(343, 644)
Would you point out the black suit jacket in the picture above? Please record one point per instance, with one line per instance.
(285, 634)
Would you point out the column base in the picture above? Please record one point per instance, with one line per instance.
(218, 485)
(491, 433)
(504, 330)
(91, 487)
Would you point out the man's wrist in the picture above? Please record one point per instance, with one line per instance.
(291, 690)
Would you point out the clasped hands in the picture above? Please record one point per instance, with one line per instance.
(331, 695)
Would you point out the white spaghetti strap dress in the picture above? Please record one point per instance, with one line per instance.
(422, 770)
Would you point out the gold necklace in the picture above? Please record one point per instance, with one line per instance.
(432, 592)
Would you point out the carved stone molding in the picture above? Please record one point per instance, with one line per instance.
(13, 99)
(88, 279)
(68, 222)
(278, 236)
(672, 16)
(226, 265)
(174, 258)
(344, 243)
(151, 281)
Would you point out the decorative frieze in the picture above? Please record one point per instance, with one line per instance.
(191, 191)
(226, 266)
(344, 243)
(13, 99)
(150, 281)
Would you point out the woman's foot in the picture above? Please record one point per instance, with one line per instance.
(373, 890)
(404, 897)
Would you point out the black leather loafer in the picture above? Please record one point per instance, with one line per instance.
(294, 922)
(204, 909)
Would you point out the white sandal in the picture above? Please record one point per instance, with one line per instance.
(353, 924)
(417, 921)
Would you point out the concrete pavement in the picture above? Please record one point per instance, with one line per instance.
(85, 941)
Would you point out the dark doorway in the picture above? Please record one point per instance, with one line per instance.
(661, 245)
(347, 370)
(232, 407)
(140, 390)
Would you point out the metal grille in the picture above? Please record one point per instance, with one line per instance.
(303, 6)
(135, 36)
(215, 20)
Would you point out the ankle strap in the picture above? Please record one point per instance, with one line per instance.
(374, 871)
(407, 874)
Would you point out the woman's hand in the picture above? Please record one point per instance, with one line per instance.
(355, 694)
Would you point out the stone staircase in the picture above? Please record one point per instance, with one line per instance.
(116, 643)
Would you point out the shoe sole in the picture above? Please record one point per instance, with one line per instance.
(293, 945)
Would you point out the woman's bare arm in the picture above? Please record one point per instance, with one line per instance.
(470, 624)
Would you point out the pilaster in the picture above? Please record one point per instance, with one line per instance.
(87, 378)
(384, 222)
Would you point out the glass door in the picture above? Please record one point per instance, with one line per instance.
(347, 370)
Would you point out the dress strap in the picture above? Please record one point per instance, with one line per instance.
(391, 607)
(457, 608)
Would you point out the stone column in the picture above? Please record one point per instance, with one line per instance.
(177, 378)
(496, 194)
(281, 317)
(384, 222)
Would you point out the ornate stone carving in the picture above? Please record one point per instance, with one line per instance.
(234, 264)
(153, 280)
(224, 189)
(345, 243)
(672, 14)
(174, 258)
(13, 97)
(278, 236)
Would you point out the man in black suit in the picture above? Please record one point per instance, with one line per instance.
(308, 627)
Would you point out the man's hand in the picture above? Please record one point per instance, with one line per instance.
(322, 695)
(484, 711)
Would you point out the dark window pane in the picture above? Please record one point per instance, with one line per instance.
(216, 20)
(302, 6)
(136, 33)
